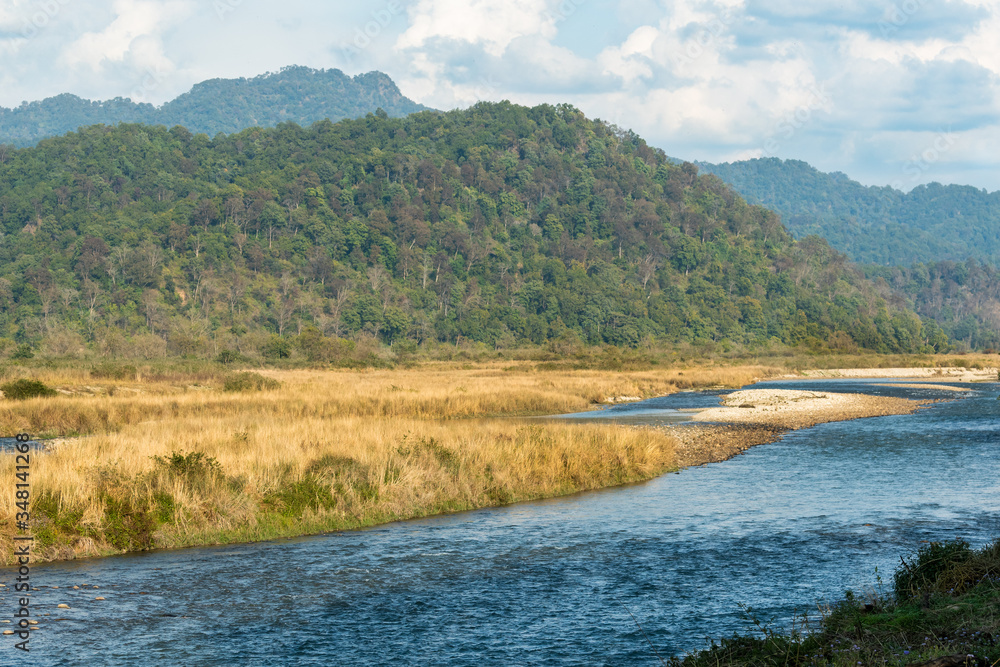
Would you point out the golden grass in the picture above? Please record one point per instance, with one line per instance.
(328, 450)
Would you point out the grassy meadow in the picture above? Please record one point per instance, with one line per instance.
(153, 458)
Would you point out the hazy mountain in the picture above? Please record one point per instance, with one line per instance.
(297, 94)
(878, 225)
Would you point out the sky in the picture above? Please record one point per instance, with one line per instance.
(890, 93)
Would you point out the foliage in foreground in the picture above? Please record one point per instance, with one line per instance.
(945, 602)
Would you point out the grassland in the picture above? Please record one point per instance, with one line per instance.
(170, 458)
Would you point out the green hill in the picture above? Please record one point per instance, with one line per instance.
(499, 224)
(295, 94)
(877, 225)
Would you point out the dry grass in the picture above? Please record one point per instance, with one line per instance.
(168, 463)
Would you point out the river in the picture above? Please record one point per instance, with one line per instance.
(780, 528)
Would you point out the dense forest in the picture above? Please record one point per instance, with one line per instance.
(963, 297)
(877, 225)
(500, 225)
(295, 94)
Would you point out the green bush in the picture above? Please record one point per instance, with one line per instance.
(20, 390)
(249, 381)
(277, 348)
(306, 494)
(925, 572)
(23, 352)
(111, 371)
(229, 357)
(128, 524)
(191, 465)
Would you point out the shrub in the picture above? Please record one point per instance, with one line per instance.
(128, 525)
(20, 390)
(191, 466)
(249, 382)
(23, 352)
(111, 371)
(277, 348)
(229, 357)
(306, 494)
(929, 567)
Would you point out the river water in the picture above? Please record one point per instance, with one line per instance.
(780, 528)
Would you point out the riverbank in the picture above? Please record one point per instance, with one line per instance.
(939, 610)
(760, 416)
(174, 462)
(944, 373)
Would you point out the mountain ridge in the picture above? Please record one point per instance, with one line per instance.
(293, 94)
(872, 224)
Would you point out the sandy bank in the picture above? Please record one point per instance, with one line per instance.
(789, 409)
(924, 385)
(759, 416)
(956, 374)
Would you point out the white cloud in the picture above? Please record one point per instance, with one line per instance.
(492, 23)
(134, 34)
(704, 79)
(631, 60)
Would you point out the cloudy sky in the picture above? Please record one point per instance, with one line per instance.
(899, 92)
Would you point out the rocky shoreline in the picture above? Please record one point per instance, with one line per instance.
(760, 416)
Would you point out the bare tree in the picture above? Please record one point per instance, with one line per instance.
(120, 257)
(48, 298)
(91, 293)
(237, 289)
(425, 268)
(647, 268)
(284, 313)
(337, 306)
(150, 303)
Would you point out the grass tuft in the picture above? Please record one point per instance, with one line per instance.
(249, 381)
(20, 390)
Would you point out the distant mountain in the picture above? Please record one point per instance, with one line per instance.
(877, 225)
(298, 94)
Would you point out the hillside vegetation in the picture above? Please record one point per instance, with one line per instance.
(295, 94)
(877, 225)
(962, 297)
(500, 225)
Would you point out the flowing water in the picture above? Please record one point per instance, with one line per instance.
(780, 528)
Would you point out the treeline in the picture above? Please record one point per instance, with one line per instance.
(876, 225)
(501, 225)
(963, 297)
(295, 94)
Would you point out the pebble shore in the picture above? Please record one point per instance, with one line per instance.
(759, 416)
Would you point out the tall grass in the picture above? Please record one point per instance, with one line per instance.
(170, 463)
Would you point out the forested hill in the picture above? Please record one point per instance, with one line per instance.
(499, 224)
(878, 225)
(295, 94)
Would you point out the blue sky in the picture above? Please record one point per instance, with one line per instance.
(891, 93)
